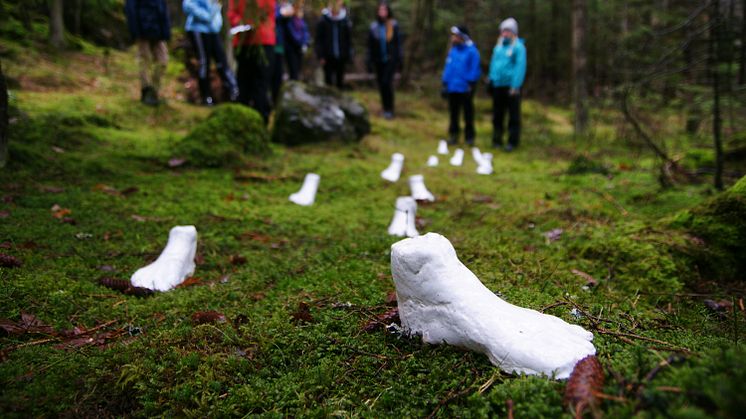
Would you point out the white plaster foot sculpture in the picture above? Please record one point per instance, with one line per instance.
(458, 157)
(442, 147)
(419, 190)
(174, 265)
(485, 167)
(306, 196)
(477, 155)
(393, 172)
(402, 224)
(442, 300)
(432, 161)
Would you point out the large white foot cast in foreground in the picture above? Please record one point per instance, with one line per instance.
(442, 300)
(306, 196)
(174, 265)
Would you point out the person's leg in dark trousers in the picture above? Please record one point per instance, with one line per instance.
(329, 66)
(340, 73)
(385, 75)
(203, 71)
(293, 57)
(499, 103)
(278, 72)
(454, 108)
(254, 77)
(514, 122)
(230, 84)
(469, 132)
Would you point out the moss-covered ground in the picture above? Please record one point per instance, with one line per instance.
(83, 143)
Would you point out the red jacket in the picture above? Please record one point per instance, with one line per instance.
(264, 33)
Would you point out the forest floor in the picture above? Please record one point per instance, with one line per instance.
(89, 194)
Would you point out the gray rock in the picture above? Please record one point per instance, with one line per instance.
(308, 114)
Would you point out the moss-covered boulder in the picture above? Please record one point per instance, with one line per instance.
(308, 114)
(230, 135)
(718, 229)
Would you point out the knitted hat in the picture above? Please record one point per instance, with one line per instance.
(509, 24)
(460, 31)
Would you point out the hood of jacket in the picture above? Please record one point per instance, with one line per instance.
(327, 13)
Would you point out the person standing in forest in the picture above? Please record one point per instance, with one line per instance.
(333, 43)
(283, 10)
(506, 76)
(255, 51)
(204, 20)
(385, 55)
(297, 38)
(150, 26)
(460, 76)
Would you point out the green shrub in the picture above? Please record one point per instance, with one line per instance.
(582, 165)
(225, 138)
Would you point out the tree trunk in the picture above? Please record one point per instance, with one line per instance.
(56, 24)
(77, 11)
(742, 72)
(3, 119)
(580, 64)
(714, 50)
(418, 31)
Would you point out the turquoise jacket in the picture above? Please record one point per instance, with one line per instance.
(203, 16)
(508, 65)
(462, 68)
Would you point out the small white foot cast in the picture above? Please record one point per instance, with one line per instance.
(174, 265)
(432, 161)
(442, 300)
(485, 167)
(393, 172)
(442, 147)
(307, 194)
(477, 155)
(458, 157)
(403, 223)
(419, 190)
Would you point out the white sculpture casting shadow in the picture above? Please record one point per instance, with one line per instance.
(432, 161)
(307, 194)
(442, 147)
(419, 190)
(174, 265)
(442, 300)
(403, 223)
(477, 155)
(393, 172)
(458, 157)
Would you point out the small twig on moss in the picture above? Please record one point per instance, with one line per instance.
(645, 338)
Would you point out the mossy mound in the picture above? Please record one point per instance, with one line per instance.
(634, 257)
(719, 229)
(226, 138)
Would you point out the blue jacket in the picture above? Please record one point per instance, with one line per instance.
(462, 68)
(148, 19)
(508, 64)
(203, 16)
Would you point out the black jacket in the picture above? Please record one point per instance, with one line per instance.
(148, 19)
(393, 47)
(334, 32)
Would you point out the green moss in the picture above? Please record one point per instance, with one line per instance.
(230, 135)
(721, 224)
(583, 164)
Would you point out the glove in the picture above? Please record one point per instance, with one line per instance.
(514, 92)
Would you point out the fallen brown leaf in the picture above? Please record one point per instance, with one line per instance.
(391, 298)
(237, 260)
(589, 280)
(303, 314)
(382, 320)
(7, 261)
(59, 212)
(204, 317)
(190, 282)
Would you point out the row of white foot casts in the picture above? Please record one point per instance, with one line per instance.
(439, 298)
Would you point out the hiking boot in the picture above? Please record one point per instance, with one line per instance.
(388, 115)
(509, 148)
(453, 141)
(470, 142)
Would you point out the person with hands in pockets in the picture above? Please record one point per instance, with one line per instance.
(506, 76)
